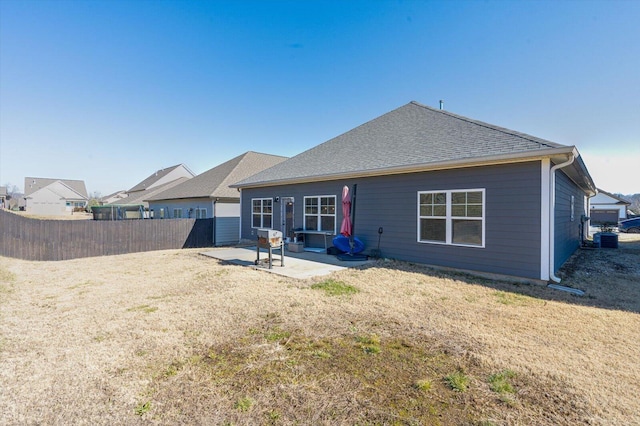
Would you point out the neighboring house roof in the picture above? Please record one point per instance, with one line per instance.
(140, 196)
(616, 199)
(62, 190)
(32, 184)
(111, 198)
(411, 138)
(157, 178)
(214, 183)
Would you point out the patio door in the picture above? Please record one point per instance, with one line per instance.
(287, 209)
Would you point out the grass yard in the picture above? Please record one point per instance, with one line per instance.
(173, 337)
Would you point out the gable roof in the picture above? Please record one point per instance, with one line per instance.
(62, 190)
(32, 184)
(156, 177)
(411, 138)
(214, 183)
(615, 198)
(138, 198)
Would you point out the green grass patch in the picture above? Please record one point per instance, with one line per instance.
(501, 382)
(458, 381)
(335, 288)
(276, 335)
(370, 344)
(243, 404)
(513, 298)
(143, 408)
(143, 308)
(422, 384)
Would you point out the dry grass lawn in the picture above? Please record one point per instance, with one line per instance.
(173, 337)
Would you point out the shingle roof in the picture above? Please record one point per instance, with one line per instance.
(32, 184)
(412, 135)
(149, 181)
(214, 183)
(139, 197)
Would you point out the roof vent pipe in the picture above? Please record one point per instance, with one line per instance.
(441, 104)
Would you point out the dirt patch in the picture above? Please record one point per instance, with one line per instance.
(173, 337)
(610, 277)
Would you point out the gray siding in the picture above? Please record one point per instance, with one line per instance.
(226, 230)
(567, 232)
(187, 206)
(512, 239)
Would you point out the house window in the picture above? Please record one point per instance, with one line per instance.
(451, 217)
(177, 213)
(201, 213)
(320, 213)
(262, 212)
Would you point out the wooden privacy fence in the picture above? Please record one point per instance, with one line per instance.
(33, 239)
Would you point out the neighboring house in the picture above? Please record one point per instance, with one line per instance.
(159, 181)
(113, 198)
(57, 198)
(3, 197)
(48, 196)
(208, 195)
(446, 190)
(607, 208)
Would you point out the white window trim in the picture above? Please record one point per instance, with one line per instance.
(449, 218)
(319, 215)
(261, 213)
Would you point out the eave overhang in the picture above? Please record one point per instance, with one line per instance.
(557, 155)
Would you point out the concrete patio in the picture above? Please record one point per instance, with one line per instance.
(301, 265)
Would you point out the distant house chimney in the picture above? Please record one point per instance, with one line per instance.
(441, 104)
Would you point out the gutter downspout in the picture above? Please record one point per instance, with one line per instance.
(213, 218)
(552, 216)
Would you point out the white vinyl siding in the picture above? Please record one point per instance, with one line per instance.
(262, 212)
(453, 217)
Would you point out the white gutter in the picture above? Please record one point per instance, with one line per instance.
(552, 215)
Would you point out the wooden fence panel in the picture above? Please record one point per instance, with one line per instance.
(34, 239)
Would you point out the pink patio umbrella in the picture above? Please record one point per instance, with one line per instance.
(346, 227)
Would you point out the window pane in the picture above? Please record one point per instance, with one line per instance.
(433, 230)
(474, 197)
(440, 198)
(426, 198)
(458, 197)
(474, 211)
(266, 221)
(426, 210)
(467, 231)
(458, 210)
(327, 223)
(257, 206)
(311, 206)
(256, 221)
(439, 210)
(311, 223)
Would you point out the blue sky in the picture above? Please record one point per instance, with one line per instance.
(110, 91)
